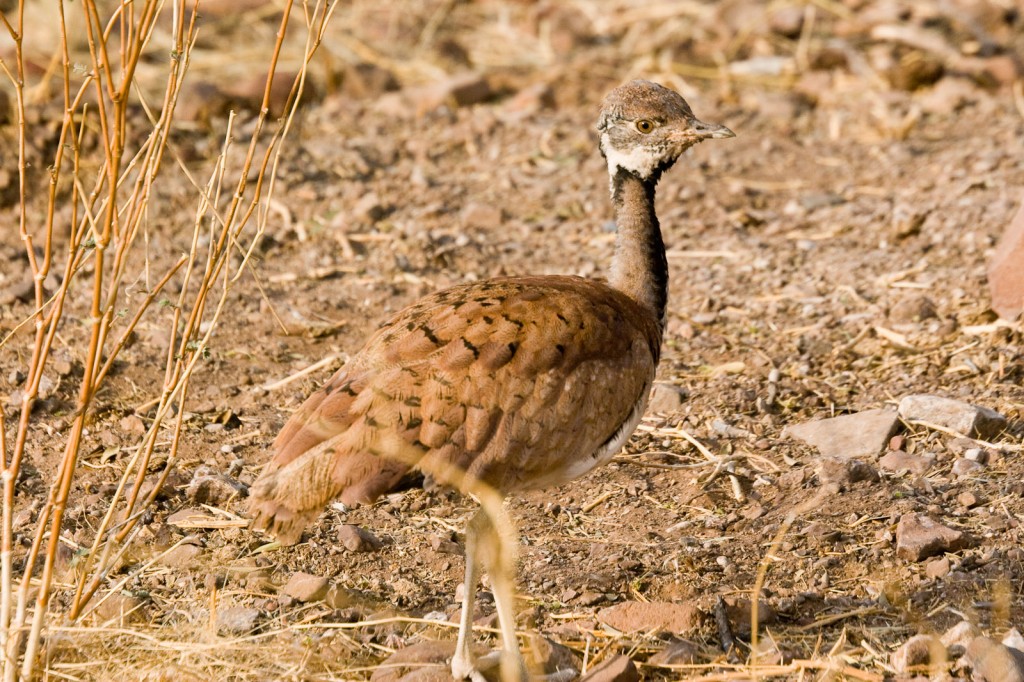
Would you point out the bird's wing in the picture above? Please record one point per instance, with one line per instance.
(510, 381)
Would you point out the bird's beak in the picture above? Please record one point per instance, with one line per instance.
(705, 131)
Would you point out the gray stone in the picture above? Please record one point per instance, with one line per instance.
(679, 652)
(305, 587)
(919, 537)
(898, 460)
(618, 669)
(1014, 640)
(963, 468)
(955, 415)
(665, 398)
(210, 487)
(917, 651)
(850, 436)
(237, 620)
(994, 662)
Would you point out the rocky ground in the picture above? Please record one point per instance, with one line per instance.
(838, 426)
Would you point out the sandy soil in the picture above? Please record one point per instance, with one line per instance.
(841, 239)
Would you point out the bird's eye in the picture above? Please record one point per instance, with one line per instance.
(644, 126)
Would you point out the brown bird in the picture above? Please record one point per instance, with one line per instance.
(500, 385)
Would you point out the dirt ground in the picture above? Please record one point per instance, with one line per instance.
(829, 259)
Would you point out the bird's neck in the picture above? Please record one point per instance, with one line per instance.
(639, 267)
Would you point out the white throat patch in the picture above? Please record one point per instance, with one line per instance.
(638, 160)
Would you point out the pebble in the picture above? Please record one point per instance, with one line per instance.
(898, 460)
(963, 467)
(182, 556)
(937, 568)
(952, 414)
(919, 537)
(634, 616)
(967, 499)
(237, 620)
(844, 472)
(850, 436)
(1005, 276)
(916, 651)
(618, 669)
(305, 587)
(122, 609)
(678, 652)
(552, 658)
(356, 539)
(739, 612)
(209, 487)
(665, 398)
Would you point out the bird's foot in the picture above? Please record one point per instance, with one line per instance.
(496, 666)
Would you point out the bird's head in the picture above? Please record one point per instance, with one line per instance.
(644, 127)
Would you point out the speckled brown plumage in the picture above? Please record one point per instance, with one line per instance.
(513, 383)
(511, 380)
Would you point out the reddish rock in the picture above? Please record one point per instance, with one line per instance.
(1005, 274)
(919, 537)
(898, 460)
(618, 669)
(122, 609)
(428, 654)
(356, 539)
(306, 587)
(635, 616)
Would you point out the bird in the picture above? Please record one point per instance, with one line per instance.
(501, 385)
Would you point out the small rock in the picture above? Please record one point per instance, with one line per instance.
(952, 414)
(618, 669)
(850, 436)
(209, 487)
(665, 398)
(919, 537)
(122, 608)
(844, 472)
(305, 587)
(182, 556)
(678, 652)
(444, 545)
(1005, 276)
(356, 539)
(237, 620)
(917, 651)
(634, 616)
(976, 455)
(739, 612)
(994, 662)
(133, 425)
(963, 468)
(937, 568)
(458, 91)
(898, 460)
(913, 309)
(960, 635)
(967, 499)
(552, 658)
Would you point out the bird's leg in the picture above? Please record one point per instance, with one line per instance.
(499, 557)
(462, 662)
